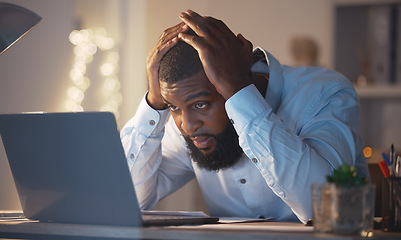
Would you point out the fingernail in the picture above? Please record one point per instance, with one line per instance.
(189, 11)
(183, 14)
(173, 41)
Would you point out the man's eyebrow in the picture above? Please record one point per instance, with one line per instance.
(193, 96)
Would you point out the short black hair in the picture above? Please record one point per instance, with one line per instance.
(180, 62)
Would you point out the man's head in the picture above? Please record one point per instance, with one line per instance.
(180, 62)
(198, 109)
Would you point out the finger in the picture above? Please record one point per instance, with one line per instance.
(168, 45)
(195, 41)
(172, 32)
(207, 27)
(220, 25)
(248, 48)
(159, 51)
(244, 42)
(196, 22)
(192, 16)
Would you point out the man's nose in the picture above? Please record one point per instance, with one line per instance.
(190, 123)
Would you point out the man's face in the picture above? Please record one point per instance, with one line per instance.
(199, 113)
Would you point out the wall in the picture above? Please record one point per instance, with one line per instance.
(269, 24)
(34, 74)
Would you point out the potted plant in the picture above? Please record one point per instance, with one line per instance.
(347, 202)
(352, 201)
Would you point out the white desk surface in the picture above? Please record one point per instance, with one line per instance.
(260, 230)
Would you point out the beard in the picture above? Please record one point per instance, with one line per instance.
(226, 153)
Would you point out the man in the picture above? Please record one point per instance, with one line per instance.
(254, 133)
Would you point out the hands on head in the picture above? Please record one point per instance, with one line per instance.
(226, 58)
(167, 40)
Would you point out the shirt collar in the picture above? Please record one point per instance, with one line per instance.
(273, 68)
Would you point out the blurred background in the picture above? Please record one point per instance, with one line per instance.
(90, 55)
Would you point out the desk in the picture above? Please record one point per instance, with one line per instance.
(260, 230)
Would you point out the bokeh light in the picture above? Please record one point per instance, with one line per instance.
(87, 42)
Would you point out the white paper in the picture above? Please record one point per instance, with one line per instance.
(175, 213)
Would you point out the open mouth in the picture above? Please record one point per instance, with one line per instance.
(203, 143)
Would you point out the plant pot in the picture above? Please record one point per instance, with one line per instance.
(343, 210)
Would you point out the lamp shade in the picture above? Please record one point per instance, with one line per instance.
(15, 22)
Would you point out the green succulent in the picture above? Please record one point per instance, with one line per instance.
(346, 176)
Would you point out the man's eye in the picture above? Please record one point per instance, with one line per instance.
(173, 108)
(201, 105)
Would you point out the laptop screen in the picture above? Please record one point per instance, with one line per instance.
(70, 167)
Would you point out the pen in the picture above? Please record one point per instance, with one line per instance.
(384, 168)
(388, 162)
(385, 158)
(392, 159)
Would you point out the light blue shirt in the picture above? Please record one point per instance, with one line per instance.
(305, 127)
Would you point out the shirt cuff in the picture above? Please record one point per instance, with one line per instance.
(152, 120)
(244, 106)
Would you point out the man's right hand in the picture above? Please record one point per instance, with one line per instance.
(167, 40)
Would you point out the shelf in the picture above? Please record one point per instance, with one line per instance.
(379, 92)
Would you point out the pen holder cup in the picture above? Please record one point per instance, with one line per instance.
(391, 204)
(343, 210)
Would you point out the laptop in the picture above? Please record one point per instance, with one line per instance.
(71, 168)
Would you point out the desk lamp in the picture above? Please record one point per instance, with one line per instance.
(15, 22)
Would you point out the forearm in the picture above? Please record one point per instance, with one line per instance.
(156, 155)
(141, 138)
(288, 163)
(289, 155)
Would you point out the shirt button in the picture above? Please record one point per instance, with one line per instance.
(152, 122)
(243, 180)
(132, 156)
(254, 160)
(232, 121)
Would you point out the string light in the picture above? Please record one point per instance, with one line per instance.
(86, 43)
